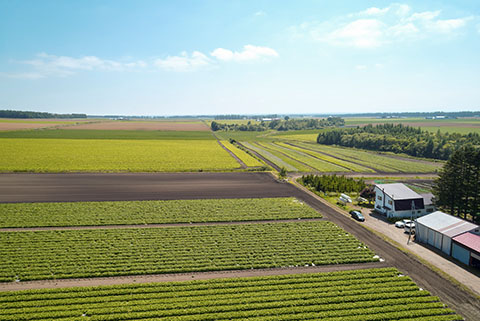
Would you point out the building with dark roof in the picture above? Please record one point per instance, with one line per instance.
(398, 201)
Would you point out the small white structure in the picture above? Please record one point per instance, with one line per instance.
(397, 200)
(438, 229)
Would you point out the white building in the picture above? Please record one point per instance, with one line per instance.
(438, 229)
(397, 200)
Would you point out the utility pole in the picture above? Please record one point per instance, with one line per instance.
(411, 221)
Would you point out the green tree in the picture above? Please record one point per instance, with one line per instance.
(457, 188)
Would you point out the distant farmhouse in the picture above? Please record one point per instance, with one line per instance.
(398, 201)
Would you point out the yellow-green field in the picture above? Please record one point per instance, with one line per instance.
(90, 155)
(247, 159)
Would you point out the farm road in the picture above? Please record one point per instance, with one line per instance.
(137, 186)
(92, 187)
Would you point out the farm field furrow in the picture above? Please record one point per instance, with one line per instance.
(151, 212)
(90, 253)
(88, 155)
(317, 164)
(380, 162)
(370, 294)
(247, 159)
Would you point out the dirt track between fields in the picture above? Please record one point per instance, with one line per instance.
(63, 283)
(82, 187)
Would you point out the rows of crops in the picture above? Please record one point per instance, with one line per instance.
(109, 252)
(307, 157)
(380, 162)
(67, 155)
(270, 156)
(372, 294)
(247, 159)
(345, 164)
(152, 212)
(312, 162)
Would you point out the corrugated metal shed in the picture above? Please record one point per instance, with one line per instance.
(398, 191)
(470, 240)
(446, 224)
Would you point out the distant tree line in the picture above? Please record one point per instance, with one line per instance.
(280, 124)
(399, 138)
(454, 114)
(457, 189)
(333, 183)
(35, 114)
(225, 117)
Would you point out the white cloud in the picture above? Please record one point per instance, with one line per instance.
(46, 64)
(375, 27)
(375, 11)
(260, 13)
(22, 75)
(362, 33)
(249, 53)
(360, 67)
(184, 62)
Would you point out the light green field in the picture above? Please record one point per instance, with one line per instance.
(358, 295)
(247, 159)
(152, 212)
(332, 160)
(461, 125)
(305, 158)
(90, 155)
(380, 162)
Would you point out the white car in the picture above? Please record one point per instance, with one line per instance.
(410, 227)
(402, 223)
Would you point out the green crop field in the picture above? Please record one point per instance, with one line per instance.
(380, 162)
(109, 252)
(86, 155)
(304, 158)
(370, 294)
(109, 134)
(151, 212)
(279, 161)
(345, 164)
(247, 159)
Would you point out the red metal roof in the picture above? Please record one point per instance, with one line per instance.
(469, 240)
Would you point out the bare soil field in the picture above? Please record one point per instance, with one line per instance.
(20, 126)
(144, 125)
(23, 187)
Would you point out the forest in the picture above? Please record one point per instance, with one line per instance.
(281, 124)
(399, 138)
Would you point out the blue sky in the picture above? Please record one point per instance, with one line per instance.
(239, 57)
